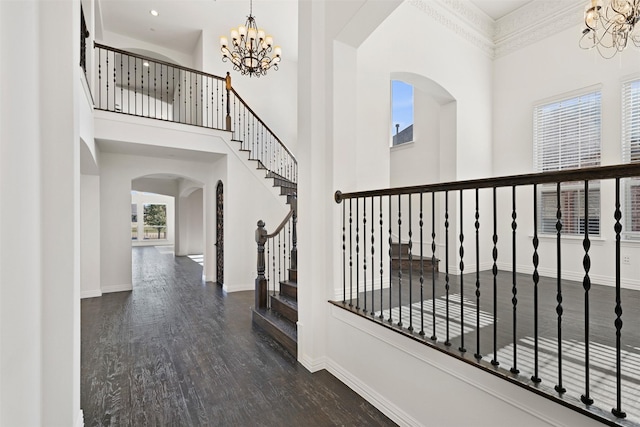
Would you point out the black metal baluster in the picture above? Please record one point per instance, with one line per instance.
(410, 328)
(155, 98)
(617, 411)
(179, 99)
(381, 316)
(268, 245)
(218, 103)
(559, 388)
(135, 83)
(364, 254)
(162, 106)
(100, 77)
(148, 90)
(185, 112)
(494, 254)
(421, 271)
(390, 262)
(536, 278)
(121, 85)
(373, 250)
(273, 251)
(350, 253)
(279, 260)
(434, 337)
(344, 255)
(357, 254)
(173, 91)
(128, 86)
(399, 260)
(461, 348)
(586, 285)
(446, 261)
(107, 78)
(115, 80)
(514, 290)
(477, 355)
(142, 89)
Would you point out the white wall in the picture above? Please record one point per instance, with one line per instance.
(195, 209)
(90, 236)
(40, 188)
(520, 82)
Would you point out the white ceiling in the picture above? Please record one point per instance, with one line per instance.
(496, 9)
(180, 22)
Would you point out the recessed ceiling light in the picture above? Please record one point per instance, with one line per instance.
(145, 63)
(154, 12)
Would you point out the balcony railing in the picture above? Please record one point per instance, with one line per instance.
(137, 85)
(559, 338)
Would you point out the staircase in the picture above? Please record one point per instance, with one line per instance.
(276, 311)
(400, 259)
(279, 321)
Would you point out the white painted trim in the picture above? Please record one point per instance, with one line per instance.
(386, 283)
(313, 365)
(391, 410)
(117, 288)
(91, 294)
(79, 419)
(401, 343)
(238, 288)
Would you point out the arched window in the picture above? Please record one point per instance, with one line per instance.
(401, 112)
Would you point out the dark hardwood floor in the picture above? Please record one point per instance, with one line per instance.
(180, 352)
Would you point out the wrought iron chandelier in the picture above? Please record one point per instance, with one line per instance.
(612, 27)
(251, 51)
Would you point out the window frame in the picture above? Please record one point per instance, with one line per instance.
(579, 144)
(630, 146)
(393, 124)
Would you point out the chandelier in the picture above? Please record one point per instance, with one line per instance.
(250, 51)
(610, 28)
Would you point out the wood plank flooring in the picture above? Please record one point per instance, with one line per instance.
(180, 352)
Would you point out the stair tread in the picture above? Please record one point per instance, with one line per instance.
(289, 283)
(278, 328)
(291, 302)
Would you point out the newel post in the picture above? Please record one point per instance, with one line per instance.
(294, 233)
(261, 281)
(228, 87)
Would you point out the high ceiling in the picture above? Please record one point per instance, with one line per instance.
(179, 23)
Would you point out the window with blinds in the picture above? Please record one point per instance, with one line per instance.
(566, 135)
(631, 154)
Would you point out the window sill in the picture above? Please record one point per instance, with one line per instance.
(407, 144)
(575, 239)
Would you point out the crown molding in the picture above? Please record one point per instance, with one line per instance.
(524, 26)
(535, 21)
(460, 18)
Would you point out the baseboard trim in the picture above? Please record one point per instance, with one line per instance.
(391, 410)
(237, 288)
(313, 365)
(79, 419)
(91, 294)
(117, 288)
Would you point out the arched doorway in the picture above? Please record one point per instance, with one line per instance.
(219, 234)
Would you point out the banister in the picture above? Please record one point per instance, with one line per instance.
(263, 124)
(281, 226)
(592, 173)
(168, 64)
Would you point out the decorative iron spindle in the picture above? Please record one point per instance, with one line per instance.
(421, 223)
(350, 254)
(381, 316)
(390, 263)
(446, 261)
(357, 254)
(477, 354)
(434, 337)
(536, 278)
(494, 270)
(373, 250)
(344, 256)
(514, 290)
(586, 285)
(617, 411)
(559, 387)
(364, 255)
(399, 260)
(461, 348)
(410, 328)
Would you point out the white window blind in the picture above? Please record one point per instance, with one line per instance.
(631, 154)
(566, 135)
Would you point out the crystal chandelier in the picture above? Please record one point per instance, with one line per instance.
(610, 28)
(250, 51)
